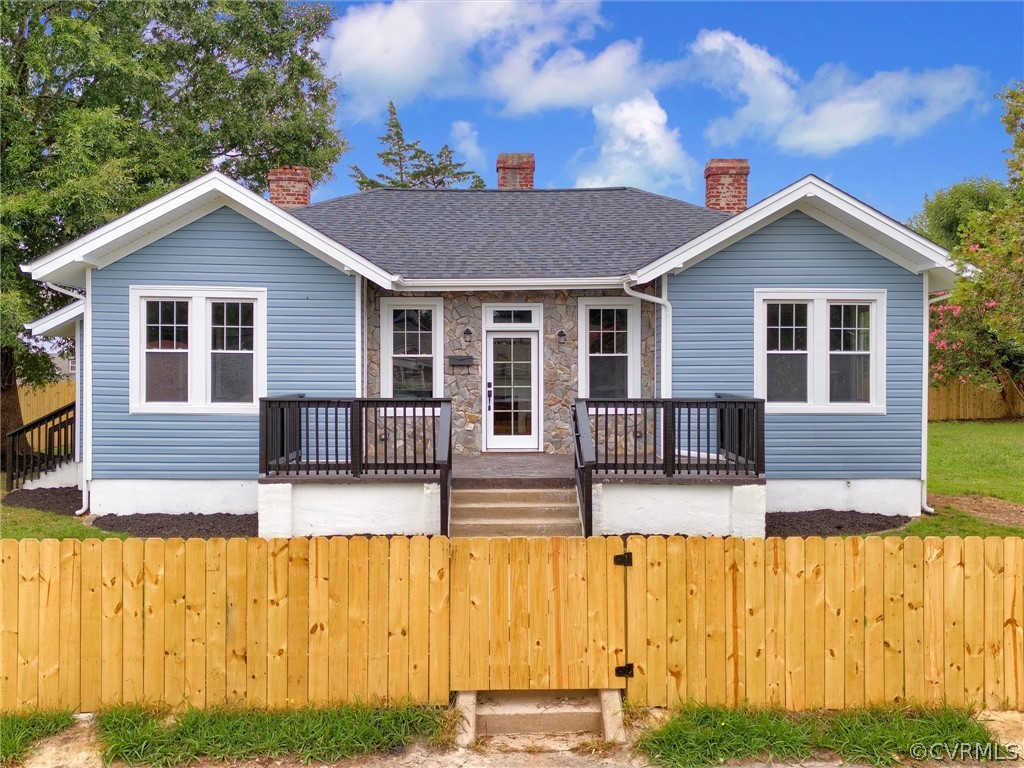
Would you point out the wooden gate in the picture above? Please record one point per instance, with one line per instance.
(537, 614)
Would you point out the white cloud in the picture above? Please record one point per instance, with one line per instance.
(898, 105)
(637, 148)
(741, 70)
(830, 113)
(404, 49)
(465, 139)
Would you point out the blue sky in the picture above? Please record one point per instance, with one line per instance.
(888, 101)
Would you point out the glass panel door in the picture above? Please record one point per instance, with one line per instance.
(511, 392)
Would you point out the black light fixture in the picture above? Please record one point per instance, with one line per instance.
(468, 333)
(561, 336)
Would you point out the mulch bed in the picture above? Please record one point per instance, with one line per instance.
(188, 526)
(60, 501)
(829, 522)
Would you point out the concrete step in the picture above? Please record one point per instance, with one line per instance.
(497, 527)
(513, 511)
(511, 712)
(514, 495)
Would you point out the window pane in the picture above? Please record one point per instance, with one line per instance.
(787, 378)
(413, 377)
(849, 378)
(166, 377)
(231, 377)
(608, 376)
(786, 327)
(849, 327)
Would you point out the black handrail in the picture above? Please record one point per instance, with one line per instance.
(302, 436)
(721, 436)
(42, 445)
(586, 458)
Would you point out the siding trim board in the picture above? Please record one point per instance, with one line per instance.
(713, 347)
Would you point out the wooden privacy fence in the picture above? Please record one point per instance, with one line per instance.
(794, 623)
(39, 401)
(958, 401)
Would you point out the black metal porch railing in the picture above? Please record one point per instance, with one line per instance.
(40, 446)
(716, 437)
(303, 437)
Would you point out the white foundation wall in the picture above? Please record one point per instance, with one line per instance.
(131, 497)
(65, 476)
(307, 509)
(883, 497)
(695, 510)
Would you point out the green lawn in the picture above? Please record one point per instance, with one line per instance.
(18, 732)
(22, 523)
(977, 457)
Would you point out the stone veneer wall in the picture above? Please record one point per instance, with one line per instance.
(559, 359)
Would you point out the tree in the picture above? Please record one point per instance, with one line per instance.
(978, 331)
(947, 210)
(107, 105)
(410, 165)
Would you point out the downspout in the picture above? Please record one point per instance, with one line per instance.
(78, 397)
(666, 329)
(924, 394)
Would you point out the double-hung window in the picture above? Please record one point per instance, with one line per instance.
(196, 350)
(412, 343)
(609, 347)
(820, 351)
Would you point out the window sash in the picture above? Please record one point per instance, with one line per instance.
(609, 330)
(398, 327)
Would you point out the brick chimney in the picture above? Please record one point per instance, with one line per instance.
(290, 186)
(515, 170)
(725, 185)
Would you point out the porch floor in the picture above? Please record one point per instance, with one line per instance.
(513, 470)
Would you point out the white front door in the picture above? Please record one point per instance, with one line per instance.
(512, 391)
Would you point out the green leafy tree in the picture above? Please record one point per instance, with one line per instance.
(978, 331)
(947, 210)
(108, 104)
(408, 165)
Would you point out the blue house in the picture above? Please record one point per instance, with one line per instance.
(512, 360)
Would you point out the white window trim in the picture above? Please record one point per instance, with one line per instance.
(585, 304)
(387, 306)
(199, 299)
(818, 352)
(534, 325)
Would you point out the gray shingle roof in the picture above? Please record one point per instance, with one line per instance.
(452, 233)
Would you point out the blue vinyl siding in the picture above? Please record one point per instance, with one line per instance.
(310, 346)
(713, 347)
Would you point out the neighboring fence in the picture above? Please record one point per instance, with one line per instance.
(961, 402)
(37, 402)
(795, 623)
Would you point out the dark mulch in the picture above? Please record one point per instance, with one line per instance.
(188, 526)
(829, 522)
(60, 501)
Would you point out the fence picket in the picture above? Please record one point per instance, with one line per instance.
(256, 577)
(28, 624)
(714, 620)
(337, 620)
(835, 628)
(70, 627)
(913, 618)
(893, 610)
(636, 624)
(133, 580)
(319, 623)
(235, 621)
(111, 635)
(754, 614)
(153, 625)
(814, 622)
(419, 619)
(974, 620)
(440, 620)
(398, 619)
(657, 616)
(216, 629)
(953, 618)
(49, 617)
(796, 670)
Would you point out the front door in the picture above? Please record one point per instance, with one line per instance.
(512, 391)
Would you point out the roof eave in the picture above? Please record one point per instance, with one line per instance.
(173, 210)
(60, 323)
(820, 200)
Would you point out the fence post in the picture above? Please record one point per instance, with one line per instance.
(264, 434)
(668, 447)
(355, 437)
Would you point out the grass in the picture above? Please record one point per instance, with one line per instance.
(148, 737)
(24, 523)
(985, 458)
(18, 732)
(704, 735)
(949, 521)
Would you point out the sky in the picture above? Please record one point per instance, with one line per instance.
(888, 101)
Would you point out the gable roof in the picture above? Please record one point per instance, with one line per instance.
(464, 235)
(832, 207)
(67, 265)
(60, 322)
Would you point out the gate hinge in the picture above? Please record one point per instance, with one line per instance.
(626, 670)
(626, 558)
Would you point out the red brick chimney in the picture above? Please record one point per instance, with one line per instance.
(515, 170)
(725, 185)
(290, 186)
